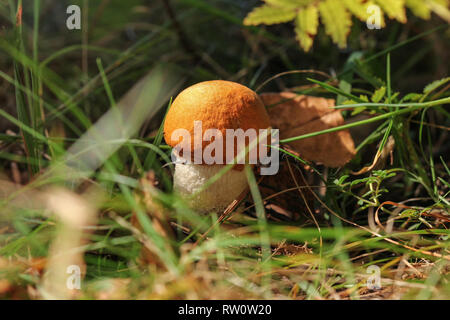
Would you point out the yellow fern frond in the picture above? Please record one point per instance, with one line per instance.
(337, 21)
(440, 7)
(306, 25)
(360, 9)
(336, 15)
(420, 8)
(289, 3)
(269, 15)
(395, 9)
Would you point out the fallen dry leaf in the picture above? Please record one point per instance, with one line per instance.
(295, 115)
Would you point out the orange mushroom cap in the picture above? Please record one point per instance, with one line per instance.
(218, 105)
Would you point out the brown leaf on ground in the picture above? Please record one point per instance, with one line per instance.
(295, 115)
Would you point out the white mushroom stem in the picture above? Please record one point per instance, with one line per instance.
(190, 178)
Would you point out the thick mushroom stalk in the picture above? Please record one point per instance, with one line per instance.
(190, 179)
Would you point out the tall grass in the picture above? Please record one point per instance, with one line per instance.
(248, 255)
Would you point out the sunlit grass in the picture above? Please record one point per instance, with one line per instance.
(247, 255)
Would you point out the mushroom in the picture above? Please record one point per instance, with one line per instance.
(216, 108)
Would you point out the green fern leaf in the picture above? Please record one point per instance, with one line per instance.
(306, 25)
(337, 21)
(435, 84)
(269, 15)
(379, 94)
(412, 97)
